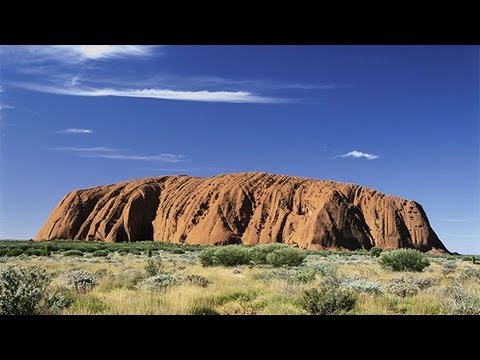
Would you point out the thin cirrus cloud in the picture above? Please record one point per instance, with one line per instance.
(72, 54)
(358, 154)
(86, 149)
(168, 158)
(74, 131)
(114, 154)
(165, 94)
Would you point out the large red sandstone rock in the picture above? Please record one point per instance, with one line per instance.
(248, 208)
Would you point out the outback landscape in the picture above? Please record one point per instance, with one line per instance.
(314, 248)
(75, 277)
(239, 180)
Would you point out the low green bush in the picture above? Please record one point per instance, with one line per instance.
(80, 280)
(258, 253)
(159, 282)
(153, 267)
(100, 253)
(375, 251)
(22, 289)
(327, 300)
(231, 255)
(404, 260)
(286, 257)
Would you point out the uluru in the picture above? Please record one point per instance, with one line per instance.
(242, 208)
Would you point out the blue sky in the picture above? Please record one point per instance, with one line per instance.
(400, 119)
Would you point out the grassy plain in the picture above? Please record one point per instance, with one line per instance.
(450, 285)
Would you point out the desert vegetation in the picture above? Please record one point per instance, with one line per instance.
(76, 277)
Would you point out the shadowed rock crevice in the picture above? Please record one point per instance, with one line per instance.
(243, 208)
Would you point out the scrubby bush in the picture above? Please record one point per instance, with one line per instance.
(305, 275)
(100, 253)
(207, 257)
(153, 266)
(375, 251)
(47, 250)
(470, 273)
(197, 280)
(258, 253)
(22, 289)
(286, 257)
(404, 260)
(407, 285)
(362, 285)
(459, 302)
(79, 280)
(14, 252)
(448, 268)
(231, 255)
(35, 252)
(159, 282)
(56, 302)
(327, 300)
(72, 253)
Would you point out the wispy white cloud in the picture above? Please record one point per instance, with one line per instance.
(165, 94)
(115, 154)
(168, 158)
(74, 131)
(87, 149)
(72, 81)
(1, 89)
(5, 106)
(72, 54)
(96, 52)
(359, 154)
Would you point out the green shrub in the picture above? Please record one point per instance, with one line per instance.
(286, 257)
(72, 253)
(47, 250)
(459, 302)
(362, 286)
(407, 285)
(14, 252)
(403, 260)
(258, 253)
(100, 253)
(448, 268)
(304, 275)
(375, 251)
(22, 289)
(207, 257)
(159, 282)
(153, 267)
(232, 255)
(33, 251)
(79, 280)
(149, 252)
(203, 310)
(327, 300)
(57, 302)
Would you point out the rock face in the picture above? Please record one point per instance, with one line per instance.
(247, 208)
